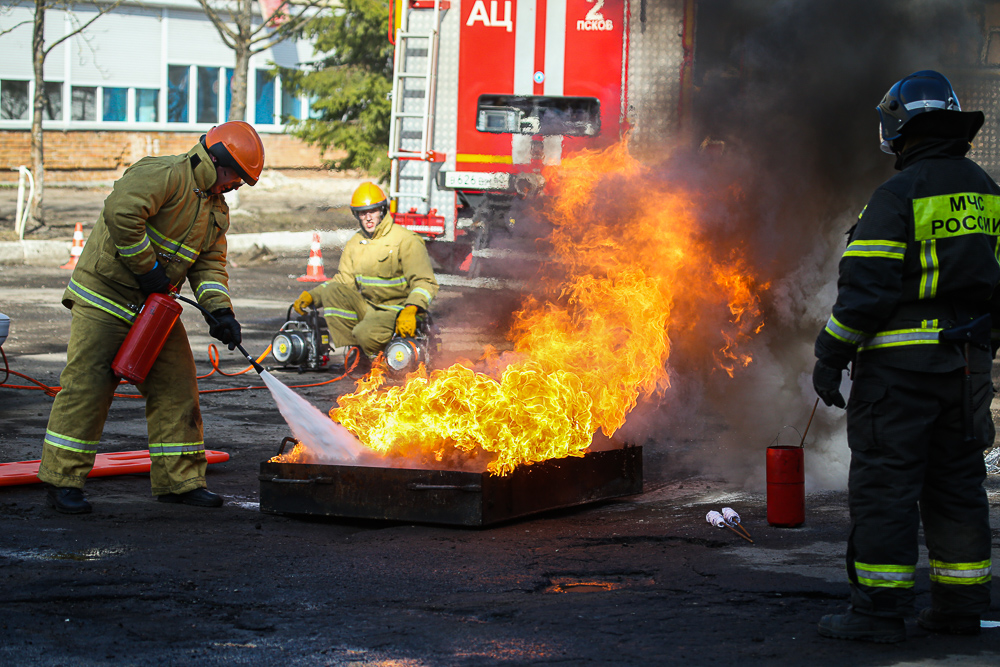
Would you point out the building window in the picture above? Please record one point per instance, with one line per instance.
(115, 104)
(229, 94)
(291, 106)
(208, 95)
(177, 93)
(53, 109)
(13, 100)
(147, 105)
(264, 107)
(84, 103)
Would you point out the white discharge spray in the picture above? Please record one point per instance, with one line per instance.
(324, 438)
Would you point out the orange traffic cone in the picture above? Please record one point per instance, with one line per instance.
(77, 249)
(314, 269)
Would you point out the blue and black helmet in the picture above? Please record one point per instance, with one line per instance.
(911, 96)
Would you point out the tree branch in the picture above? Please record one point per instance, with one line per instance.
(102, 10)
(14, 27)
(285, 30)
(220, 25)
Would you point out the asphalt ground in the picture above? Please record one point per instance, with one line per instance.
(642, 580)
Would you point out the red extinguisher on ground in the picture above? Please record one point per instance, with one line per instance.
(786, 482)
(155, 321)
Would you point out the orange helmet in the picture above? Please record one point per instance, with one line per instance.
(368, 196)
(238, 146)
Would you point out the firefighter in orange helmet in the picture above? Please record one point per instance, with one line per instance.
(383, 281)
(164, 221)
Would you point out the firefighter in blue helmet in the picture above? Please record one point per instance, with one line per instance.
(916, 295)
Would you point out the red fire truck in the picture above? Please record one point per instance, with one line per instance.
(487, 92)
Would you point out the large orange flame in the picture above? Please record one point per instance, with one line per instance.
(634, 256)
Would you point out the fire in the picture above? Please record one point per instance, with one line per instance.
(640, 272)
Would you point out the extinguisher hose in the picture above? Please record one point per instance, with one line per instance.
(253, 362)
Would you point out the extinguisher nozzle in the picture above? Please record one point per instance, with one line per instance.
(253, 362)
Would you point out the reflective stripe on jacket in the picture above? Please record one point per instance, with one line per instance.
(922, 258)
(155, 213)
(390, 270)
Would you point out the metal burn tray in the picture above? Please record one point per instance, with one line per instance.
(448, 497)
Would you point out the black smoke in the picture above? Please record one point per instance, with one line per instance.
(782, 139)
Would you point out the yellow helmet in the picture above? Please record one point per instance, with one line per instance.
(368, 196)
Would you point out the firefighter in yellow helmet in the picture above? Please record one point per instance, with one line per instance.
(164, 221)
(383, 281)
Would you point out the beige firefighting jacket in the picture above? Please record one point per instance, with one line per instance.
(159, 210)
(391, 270)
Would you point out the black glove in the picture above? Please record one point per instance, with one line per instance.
(225, 329)
(154, 281)
(826, 382)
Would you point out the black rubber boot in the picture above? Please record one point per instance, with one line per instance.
(196, 497)
(853, 625)
(948, 624)
(68, 500)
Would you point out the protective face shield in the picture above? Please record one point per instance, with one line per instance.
(884, 144)
(909, 97)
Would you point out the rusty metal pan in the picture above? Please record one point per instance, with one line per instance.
(448, 497)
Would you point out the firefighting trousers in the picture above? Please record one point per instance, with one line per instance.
(353, 321)
(909, 450)
(173, 418)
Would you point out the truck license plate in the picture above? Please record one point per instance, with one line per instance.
(477, 180)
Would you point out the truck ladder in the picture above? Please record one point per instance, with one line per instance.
(405, 80)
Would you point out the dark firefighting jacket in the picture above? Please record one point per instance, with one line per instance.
(391, 269)
(158, 211)
(922, 258)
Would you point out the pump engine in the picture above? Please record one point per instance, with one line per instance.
(302, 342)
(403, 355)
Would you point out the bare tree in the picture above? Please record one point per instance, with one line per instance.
(234, 19)
(39, 52)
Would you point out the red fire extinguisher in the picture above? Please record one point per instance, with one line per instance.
(786, 482)
(146, 337)
(786, 488)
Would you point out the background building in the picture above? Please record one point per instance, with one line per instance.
(145, 79)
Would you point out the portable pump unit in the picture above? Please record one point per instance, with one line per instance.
(403, 355)
(302, 342)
